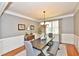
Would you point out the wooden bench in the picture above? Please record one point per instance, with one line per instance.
(53, 49)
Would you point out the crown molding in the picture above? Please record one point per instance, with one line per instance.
(20, 15)
(26, 17)
(3, 6)
(60, 17)
(76, 8)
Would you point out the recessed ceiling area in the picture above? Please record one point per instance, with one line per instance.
(35, 9)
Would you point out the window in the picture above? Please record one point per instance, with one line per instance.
(55, 27)
(51, 27)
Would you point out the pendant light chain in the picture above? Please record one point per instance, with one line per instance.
(44, 25)
(44, 16)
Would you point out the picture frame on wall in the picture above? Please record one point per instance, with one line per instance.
(21, 26)
(32, 27)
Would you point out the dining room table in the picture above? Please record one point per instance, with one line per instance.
(40, 44)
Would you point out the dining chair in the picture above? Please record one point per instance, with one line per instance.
(30, 51)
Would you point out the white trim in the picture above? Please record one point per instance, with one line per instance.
(76, 41)
(63, 16)
(26, 17)
(39, 0)
(76, 36)
(67, 38)
(76, 8)
(3, 6)
(11, 43)
(20, 15)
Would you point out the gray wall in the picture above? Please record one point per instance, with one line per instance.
(76, 21)
(9, 25)
(67, 25)
(0, 26)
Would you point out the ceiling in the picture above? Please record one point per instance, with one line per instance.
(35, 9)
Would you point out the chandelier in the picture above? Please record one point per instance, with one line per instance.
(44, 12)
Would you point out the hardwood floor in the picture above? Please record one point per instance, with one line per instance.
(71, 50)
(14, 52)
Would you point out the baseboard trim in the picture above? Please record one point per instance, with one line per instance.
(15, 51)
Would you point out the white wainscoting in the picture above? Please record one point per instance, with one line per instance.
(8, 44)
(1, 46)
(67, 38)
(71, 39)
(76, 42)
